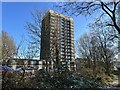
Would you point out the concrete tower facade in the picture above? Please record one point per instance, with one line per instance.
(57, 39)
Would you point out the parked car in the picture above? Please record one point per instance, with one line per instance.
(18, 69)
(5, 68)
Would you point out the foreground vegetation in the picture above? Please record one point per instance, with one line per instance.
(53, 80)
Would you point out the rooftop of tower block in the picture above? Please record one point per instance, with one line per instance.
(54, 12)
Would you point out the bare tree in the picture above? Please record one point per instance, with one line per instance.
(34, 31)
(98, 49)
(8, 48)
(87, 50)
(107, 49)
(87, 8)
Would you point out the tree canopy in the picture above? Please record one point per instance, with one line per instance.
(8, 47)
(105, 9)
